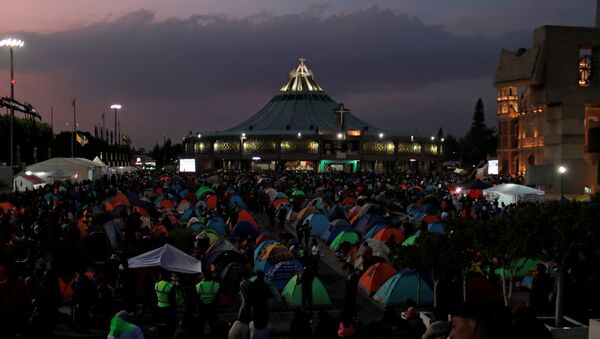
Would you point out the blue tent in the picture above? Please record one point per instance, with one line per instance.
(366, 221)
(218, 225)
(436, 228)
(244, 229)
(50, 196)
(197, 226)
(236, 199)
(261, 246)
(318, 223)
(187, 215)
(335, 228)
(371, 233)
(402, 286)
(133, 198)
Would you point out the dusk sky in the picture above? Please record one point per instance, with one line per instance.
(201, 65)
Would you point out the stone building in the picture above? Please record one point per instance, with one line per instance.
(549, 109)
(303, 128)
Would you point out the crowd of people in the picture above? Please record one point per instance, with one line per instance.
(65, 250)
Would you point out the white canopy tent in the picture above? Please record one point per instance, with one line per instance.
(169, 258)
(73, 169)
(513, 193)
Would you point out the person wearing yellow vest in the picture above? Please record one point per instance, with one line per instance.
(208, 291)
(166, 303)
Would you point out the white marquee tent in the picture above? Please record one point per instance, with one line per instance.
(169, 258)
(74, 169)
(513, 193)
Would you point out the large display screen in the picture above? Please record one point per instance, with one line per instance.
(493, 167)
(187, 165)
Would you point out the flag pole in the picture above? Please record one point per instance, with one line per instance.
(73, 129)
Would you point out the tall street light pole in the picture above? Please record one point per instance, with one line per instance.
(12, 43)
(116, 107)
(561, 170)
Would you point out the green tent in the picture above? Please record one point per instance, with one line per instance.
(523, 267)
(411, 240)
(298, 192)
(204, 190)
(292, 293)
(349, 236)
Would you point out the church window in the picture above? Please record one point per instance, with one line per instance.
(585, 66)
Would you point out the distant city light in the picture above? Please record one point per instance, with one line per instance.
(256, 158)
(339, 135)
(116, 106)
(199, 135)
(432, 138)
(299, 135)
(380, 135)
(442, 139)
(243, 135)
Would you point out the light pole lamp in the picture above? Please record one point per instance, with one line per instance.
(561, 170)
(12, 43)
(115, 107)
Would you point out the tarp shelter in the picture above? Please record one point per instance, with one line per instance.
(402, 286)
(169, 258)
(292, 293)
(375, 276)
(513, 193)
(72, 169)
(281, 273)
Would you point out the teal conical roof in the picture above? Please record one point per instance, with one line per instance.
(300, 106)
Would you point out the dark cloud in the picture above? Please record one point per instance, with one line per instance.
(210, 72)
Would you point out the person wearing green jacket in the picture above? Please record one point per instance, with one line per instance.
(121, 329)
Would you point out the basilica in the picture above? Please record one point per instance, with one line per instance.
(303, 128)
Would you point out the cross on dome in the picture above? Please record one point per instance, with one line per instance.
(341, 111)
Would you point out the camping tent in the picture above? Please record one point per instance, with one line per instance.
(292, 293)
(402, 286)
(513, 193)
(169, 258)
(375, 276)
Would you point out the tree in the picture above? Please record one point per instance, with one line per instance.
(480, 140)
(428, 251)
(460, 251)
(571, 227)
(506, 241)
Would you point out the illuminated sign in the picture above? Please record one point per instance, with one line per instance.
(493, 167)
(187, 165)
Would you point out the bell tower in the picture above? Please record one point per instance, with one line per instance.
(508, 112)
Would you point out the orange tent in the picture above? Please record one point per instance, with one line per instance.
(246, 216)
(385, 233)
(431, 218)
(211, 202)
(6, 206)
(142, 211)
(375, 276)
(166, 203)
(120, 199)
(108, 207)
